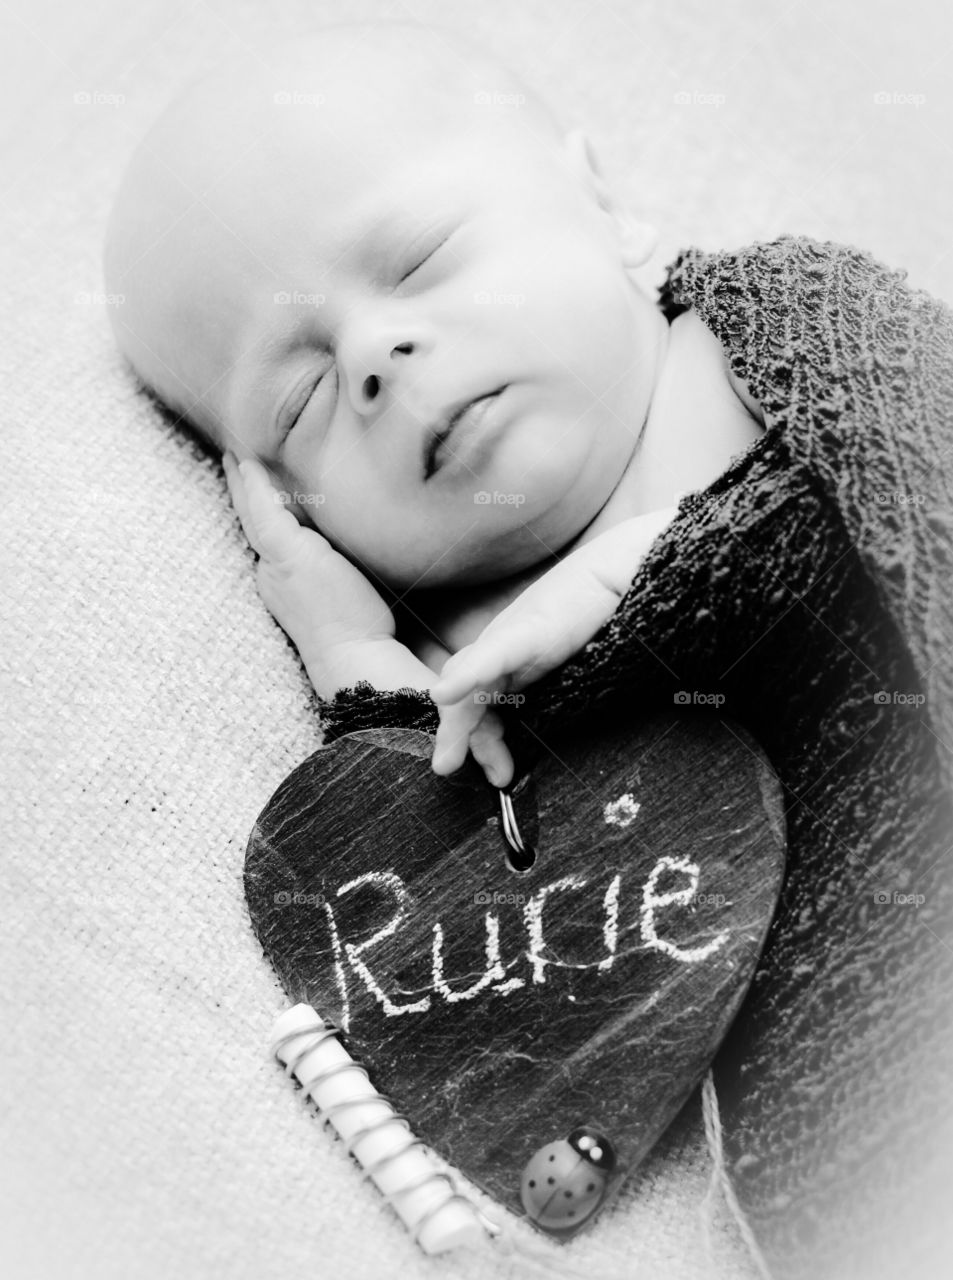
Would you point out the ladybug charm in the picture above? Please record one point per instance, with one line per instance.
(565, 1182)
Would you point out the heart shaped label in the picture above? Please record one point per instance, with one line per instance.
(503, 1012)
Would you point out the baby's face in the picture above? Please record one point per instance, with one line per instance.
(364, 267)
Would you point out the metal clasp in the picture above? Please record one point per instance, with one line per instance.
(519, 856)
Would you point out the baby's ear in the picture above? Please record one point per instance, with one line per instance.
(637, 239)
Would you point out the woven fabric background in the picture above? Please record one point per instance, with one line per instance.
(151, 706)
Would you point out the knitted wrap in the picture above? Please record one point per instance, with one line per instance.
(812, 586)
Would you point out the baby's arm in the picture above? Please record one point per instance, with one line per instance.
(551, 620)
(386, 664)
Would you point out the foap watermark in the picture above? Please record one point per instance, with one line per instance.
(297, 898)
(483, 298)
(91, 298)
(698, 698)
(696, 99)
(897, 898)
(498, 898)
(484, 698)
(292, 298)
(707, 900)
(87, 901)
(892, 98)
(96, 98)
(897, 697)
(298, 98)
(899, 498)
(483, 498)
(286, 499)
(494, 98)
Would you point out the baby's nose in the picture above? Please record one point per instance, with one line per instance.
(371, 369)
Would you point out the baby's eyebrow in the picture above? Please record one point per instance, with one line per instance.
(401, 226)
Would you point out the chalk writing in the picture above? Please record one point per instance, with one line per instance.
(651, 900)
(494, 966)
(494, 979)
(533, 915)
(621, 812)
(386, 880)
(610, 930)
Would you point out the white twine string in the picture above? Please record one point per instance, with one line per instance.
(721, 1181)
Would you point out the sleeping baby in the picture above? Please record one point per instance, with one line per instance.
(481, 468)
(373, 272)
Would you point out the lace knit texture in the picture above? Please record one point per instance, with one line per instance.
(810, 585)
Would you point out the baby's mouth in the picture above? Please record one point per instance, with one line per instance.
(437, 435)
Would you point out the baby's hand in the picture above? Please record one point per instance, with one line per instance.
(539, 630)
(320, 599)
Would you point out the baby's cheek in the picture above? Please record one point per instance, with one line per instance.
(604, 320)
(581, 314)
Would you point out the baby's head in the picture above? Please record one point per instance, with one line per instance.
(329, 249)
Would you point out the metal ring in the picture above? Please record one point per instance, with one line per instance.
(522, 856)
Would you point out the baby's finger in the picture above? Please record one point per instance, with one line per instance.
(269, 526)
(487, 662)
(456, 725)
(490, 751)
(236, 491)
(239, 491)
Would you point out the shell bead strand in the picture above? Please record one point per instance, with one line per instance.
(400, 1165)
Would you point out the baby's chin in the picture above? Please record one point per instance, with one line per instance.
(476, 563)
(501, 527)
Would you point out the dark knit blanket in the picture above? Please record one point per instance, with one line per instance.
(812, 586)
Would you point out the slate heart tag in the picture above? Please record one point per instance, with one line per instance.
(503, 1011)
